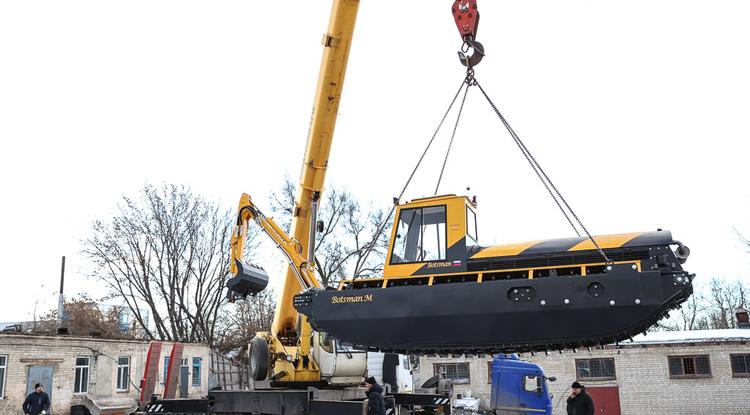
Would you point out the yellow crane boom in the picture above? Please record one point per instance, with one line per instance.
(336, 45)
(288, 331)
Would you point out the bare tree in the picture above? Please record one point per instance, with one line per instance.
(712, 308)
(724, 299)
(349, 246)
(85, 316)
(690, 316)
(165, 253)
(243, 320)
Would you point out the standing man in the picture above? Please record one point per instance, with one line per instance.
(375, 400)
(37, 403)
(579, 401)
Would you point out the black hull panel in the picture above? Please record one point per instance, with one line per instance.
(491, 317)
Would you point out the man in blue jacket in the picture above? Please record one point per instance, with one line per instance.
(375, 400)
(37, 403)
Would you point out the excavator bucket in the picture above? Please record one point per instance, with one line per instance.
(548, 297)
(249, 280)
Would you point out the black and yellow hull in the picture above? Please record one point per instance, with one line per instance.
(543, 299)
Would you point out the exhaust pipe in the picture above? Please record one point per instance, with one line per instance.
(682, 252)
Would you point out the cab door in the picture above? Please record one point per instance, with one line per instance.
(532, 398)
(324, 350)
(505, 397)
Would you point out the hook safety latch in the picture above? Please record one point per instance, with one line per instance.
(466, 15)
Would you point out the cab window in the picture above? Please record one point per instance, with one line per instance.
(471, 225)
(532, 384)
(420, 235)
(326, 342)
(405, 362)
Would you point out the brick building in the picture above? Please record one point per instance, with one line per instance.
(683, 372)
(74, 367)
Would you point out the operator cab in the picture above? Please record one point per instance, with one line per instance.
(431, 236)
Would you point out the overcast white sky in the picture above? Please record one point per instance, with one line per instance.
(638, 111)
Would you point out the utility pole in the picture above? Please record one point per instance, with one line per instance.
(61, 299)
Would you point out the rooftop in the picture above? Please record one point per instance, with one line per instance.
(690, 336)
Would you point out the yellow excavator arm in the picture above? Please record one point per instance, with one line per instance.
(299, 266)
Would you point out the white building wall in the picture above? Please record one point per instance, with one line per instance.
(642, 375)
(60, 353)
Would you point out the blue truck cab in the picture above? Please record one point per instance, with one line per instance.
(519, 387)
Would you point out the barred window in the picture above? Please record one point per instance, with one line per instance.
(81, 384)
(595, 369)
(123, 374)
(3, 369)
(457, 372)
(740, 365)
(685, 367)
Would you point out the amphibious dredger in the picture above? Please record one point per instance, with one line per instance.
(443, 293)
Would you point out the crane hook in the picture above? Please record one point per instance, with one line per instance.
(466, 15)
(473, 59)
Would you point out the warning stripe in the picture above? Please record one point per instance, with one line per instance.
(154, 407)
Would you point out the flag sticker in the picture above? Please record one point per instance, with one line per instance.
(457, 263)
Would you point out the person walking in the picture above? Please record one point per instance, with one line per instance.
(375, 400)
(37, 403)
(579, 401)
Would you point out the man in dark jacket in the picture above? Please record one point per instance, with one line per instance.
(37, 403)
(580, 402)
(375, 400)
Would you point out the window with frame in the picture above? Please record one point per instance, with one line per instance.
(123, 374)
(595, 369)
(457, 372)
(3, 370)
(81, 384)
(405, 363)
(471, 225)
(532, 384)
(740, 365)
(197, 363)
(420, 235)
(687, 367)
(489, 371)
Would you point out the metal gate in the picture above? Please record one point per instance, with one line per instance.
(606, 399)
(184, 379)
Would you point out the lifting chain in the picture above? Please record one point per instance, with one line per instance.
(466, 16)
(544, 178)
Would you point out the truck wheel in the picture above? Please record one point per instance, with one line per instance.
(259, 358)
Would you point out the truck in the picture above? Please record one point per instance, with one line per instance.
(519, 387)
(391, 370)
